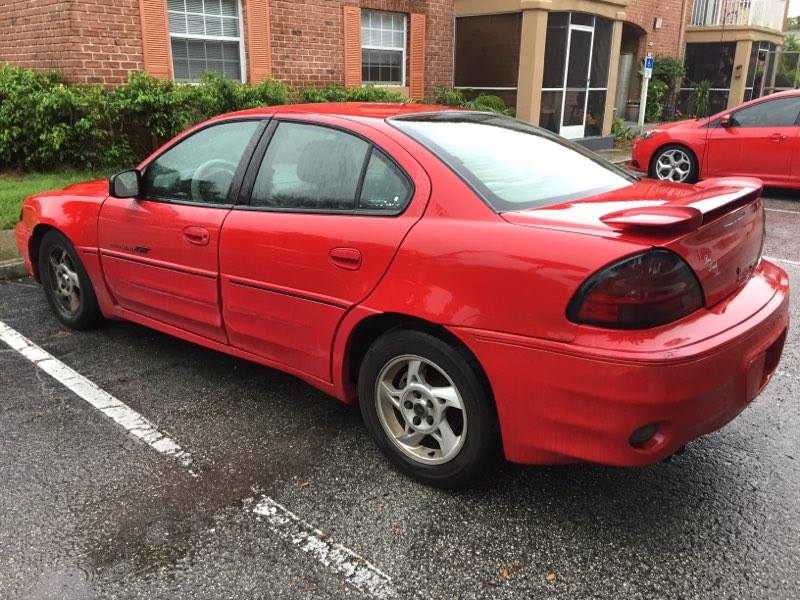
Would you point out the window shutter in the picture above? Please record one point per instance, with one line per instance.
(155, 38)
(416, 78)
(352, 46)
(259, 51)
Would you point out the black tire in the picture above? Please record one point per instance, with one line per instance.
(480, 430)
(691, 174)
(87, 313)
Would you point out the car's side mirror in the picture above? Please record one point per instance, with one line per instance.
(726, 120)
(126, 184)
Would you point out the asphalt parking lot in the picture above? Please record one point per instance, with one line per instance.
(276, 490)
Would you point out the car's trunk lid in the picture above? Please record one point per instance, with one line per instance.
(716, 226)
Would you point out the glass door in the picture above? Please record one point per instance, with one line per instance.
(579, 57)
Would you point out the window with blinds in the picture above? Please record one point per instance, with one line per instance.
(205, 36)
(383, 47)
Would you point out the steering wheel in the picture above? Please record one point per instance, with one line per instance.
(218, 172)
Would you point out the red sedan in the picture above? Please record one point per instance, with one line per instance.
(477, 283)
(757, 139)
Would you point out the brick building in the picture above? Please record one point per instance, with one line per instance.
(573, 65)
(404, 44)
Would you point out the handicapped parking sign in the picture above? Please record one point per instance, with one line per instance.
(648, 66)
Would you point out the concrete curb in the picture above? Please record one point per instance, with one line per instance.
(12, 269)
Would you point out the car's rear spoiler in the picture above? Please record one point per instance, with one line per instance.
(716, 198)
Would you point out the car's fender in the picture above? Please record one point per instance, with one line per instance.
(72, 211)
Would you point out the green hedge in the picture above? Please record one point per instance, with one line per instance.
(45, 124)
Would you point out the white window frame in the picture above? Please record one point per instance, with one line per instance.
(390, 49)
(213, 38)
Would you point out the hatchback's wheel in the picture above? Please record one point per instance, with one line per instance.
(425, 405)
(675, 163)
(67, 286)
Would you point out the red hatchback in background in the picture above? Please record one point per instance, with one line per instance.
(475, 282)
(757, 139)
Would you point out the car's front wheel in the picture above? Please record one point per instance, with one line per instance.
(675, 163)
(425, 404)
(66, 284)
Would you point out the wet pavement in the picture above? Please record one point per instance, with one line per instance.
(89, 511)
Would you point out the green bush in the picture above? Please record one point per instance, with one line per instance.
(620, 131)
(45, 124)
(655, 96)
(702, 98)
(337, 93)
(460, 98)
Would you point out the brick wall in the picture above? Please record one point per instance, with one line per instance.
(92, 41)
(99, 41)
(35, 33)
(666, 40)
(307, 46)
(107, 35)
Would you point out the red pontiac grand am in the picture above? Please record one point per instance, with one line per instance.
(477, 283)
(757, 139)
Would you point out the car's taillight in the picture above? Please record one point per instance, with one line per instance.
(641, 291)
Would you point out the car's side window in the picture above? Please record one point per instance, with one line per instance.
(385, 187)
(200, 169)
(781, 112)
(310, 167)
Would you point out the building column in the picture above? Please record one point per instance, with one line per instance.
(613, 72)
(741, 62)
(531, 59)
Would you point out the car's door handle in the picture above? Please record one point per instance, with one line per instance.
(346, 258)
(198, 236)
(777, 137)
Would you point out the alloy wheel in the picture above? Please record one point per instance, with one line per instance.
(64, 281)
(673, 165)
(421, 410)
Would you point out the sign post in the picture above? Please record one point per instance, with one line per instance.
(646, 75)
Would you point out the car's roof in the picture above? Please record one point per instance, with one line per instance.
(367, 110)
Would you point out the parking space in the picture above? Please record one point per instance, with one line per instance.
(89, 510)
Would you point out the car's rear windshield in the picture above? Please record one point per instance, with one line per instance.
(512, 165)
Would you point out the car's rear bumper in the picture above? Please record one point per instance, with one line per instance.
(560, 402)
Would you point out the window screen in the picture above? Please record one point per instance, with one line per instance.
(308, 167)
(712, 62)
(205, 36)
(383, 47)
(487, 51)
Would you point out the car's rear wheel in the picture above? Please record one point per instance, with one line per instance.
(66, 284)
(424, 402)
(674, 163)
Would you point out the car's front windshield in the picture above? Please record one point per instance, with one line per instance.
(512, 165)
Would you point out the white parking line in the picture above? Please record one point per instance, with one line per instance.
(783, 210)
(356, 570)
(120, 413)
(783, 260)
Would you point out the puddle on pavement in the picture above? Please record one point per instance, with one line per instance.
(61, 582)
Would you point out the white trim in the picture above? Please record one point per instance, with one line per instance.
(210, 38)
(577, 131)
(475, 87)
(403, 50)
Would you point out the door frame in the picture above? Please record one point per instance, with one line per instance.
(576, 131)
